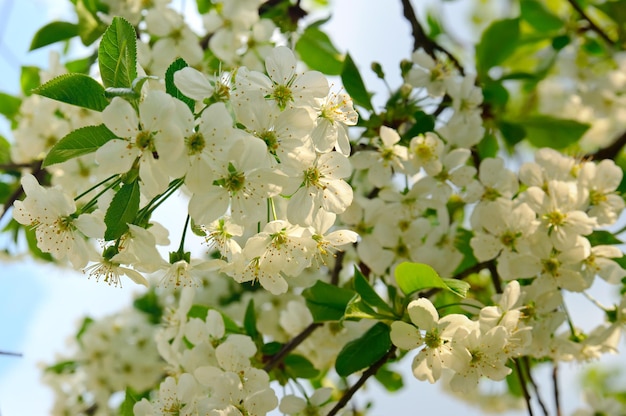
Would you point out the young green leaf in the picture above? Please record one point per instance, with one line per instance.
(297, 366)
(172, 89)
(603, 237)
(353, 83)
(131, 397)
(327, 302)
(76, 89)
(412, 277)
(90, 28)
(79, 142)
(497, 43)
(368, 294)
(539, 17)
(5, 150)
(117, 54)
(29, 79)
(9, 105)
(249, 320)
(122, 211)
(53, 32)
(557, 133)
(364, 351)
(391, 380)
(318, 52)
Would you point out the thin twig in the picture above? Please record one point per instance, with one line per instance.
(367, 374)
(421, 39)
(555, 382)
(522, 382)
(291, 345)
(495, 277)
(12, 354)
(334, 275)
(544, 408)
(592, 25)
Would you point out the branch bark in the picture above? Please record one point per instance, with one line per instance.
(592, 25)
(290, 346)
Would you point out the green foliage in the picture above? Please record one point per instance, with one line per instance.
(318, 52)
(497, 43)
(616, 11)
(79, 142)
(539, 17)
(122, 211)
(354, 85)
(557, 133)
(9, 106)
(390, 380)
(117, 54)
(76, 89)
(364, 351)
(53, 32)
(148, 303)
(29, 79)
(603, 237)
(63, 367)
(297, 366)
(413, 277)
(327, 302)
(369, 295)
(423, 123)
(90, 28)
(171, 88)
(249, 320)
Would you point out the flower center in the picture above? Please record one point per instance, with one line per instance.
(282, 94)
(195, 143)
(145, 141)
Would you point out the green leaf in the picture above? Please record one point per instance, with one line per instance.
(327, 302)
(557, 133)
(357, 309)
(539, 17)
(79, 142)
(172, 89)
(318, 52)
(616, 11)
(81, 65)
(122, 211)
(149, 304)
(9, 106)
(87, 321)
(75, 89)
(271, 348)
(117, 54)
(368, 294)
(353, 83)
(204, 6)
(390, 380)
(249, 320)
(53, 32)
(29, 79)
(603, 237)
(423, 124)
(412, 277)
(364, 351)
(488, 146)
(63, 367)
(497, 43)
(512, 133)
(89, 26)
(131, 397)
(297, 366)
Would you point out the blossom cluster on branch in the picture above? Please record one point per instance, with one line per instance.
(324, 239)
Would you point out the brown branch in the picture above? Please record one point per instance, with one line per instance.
(421, 39)
(290, 346)
(592, 25)
(555, 382)
(334, 275)
(522, 382)
(611, 151)
(535, 387)
(367, 374)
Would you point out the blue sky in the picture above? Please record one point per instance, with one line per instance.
(41, 305)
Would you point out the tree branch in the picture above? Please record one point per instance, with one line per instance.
(611, 151)
(592, 25)
(421, 39)
(367, 374)
(555, 382)
(522, 382)
(12, 354)
(290, 346)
